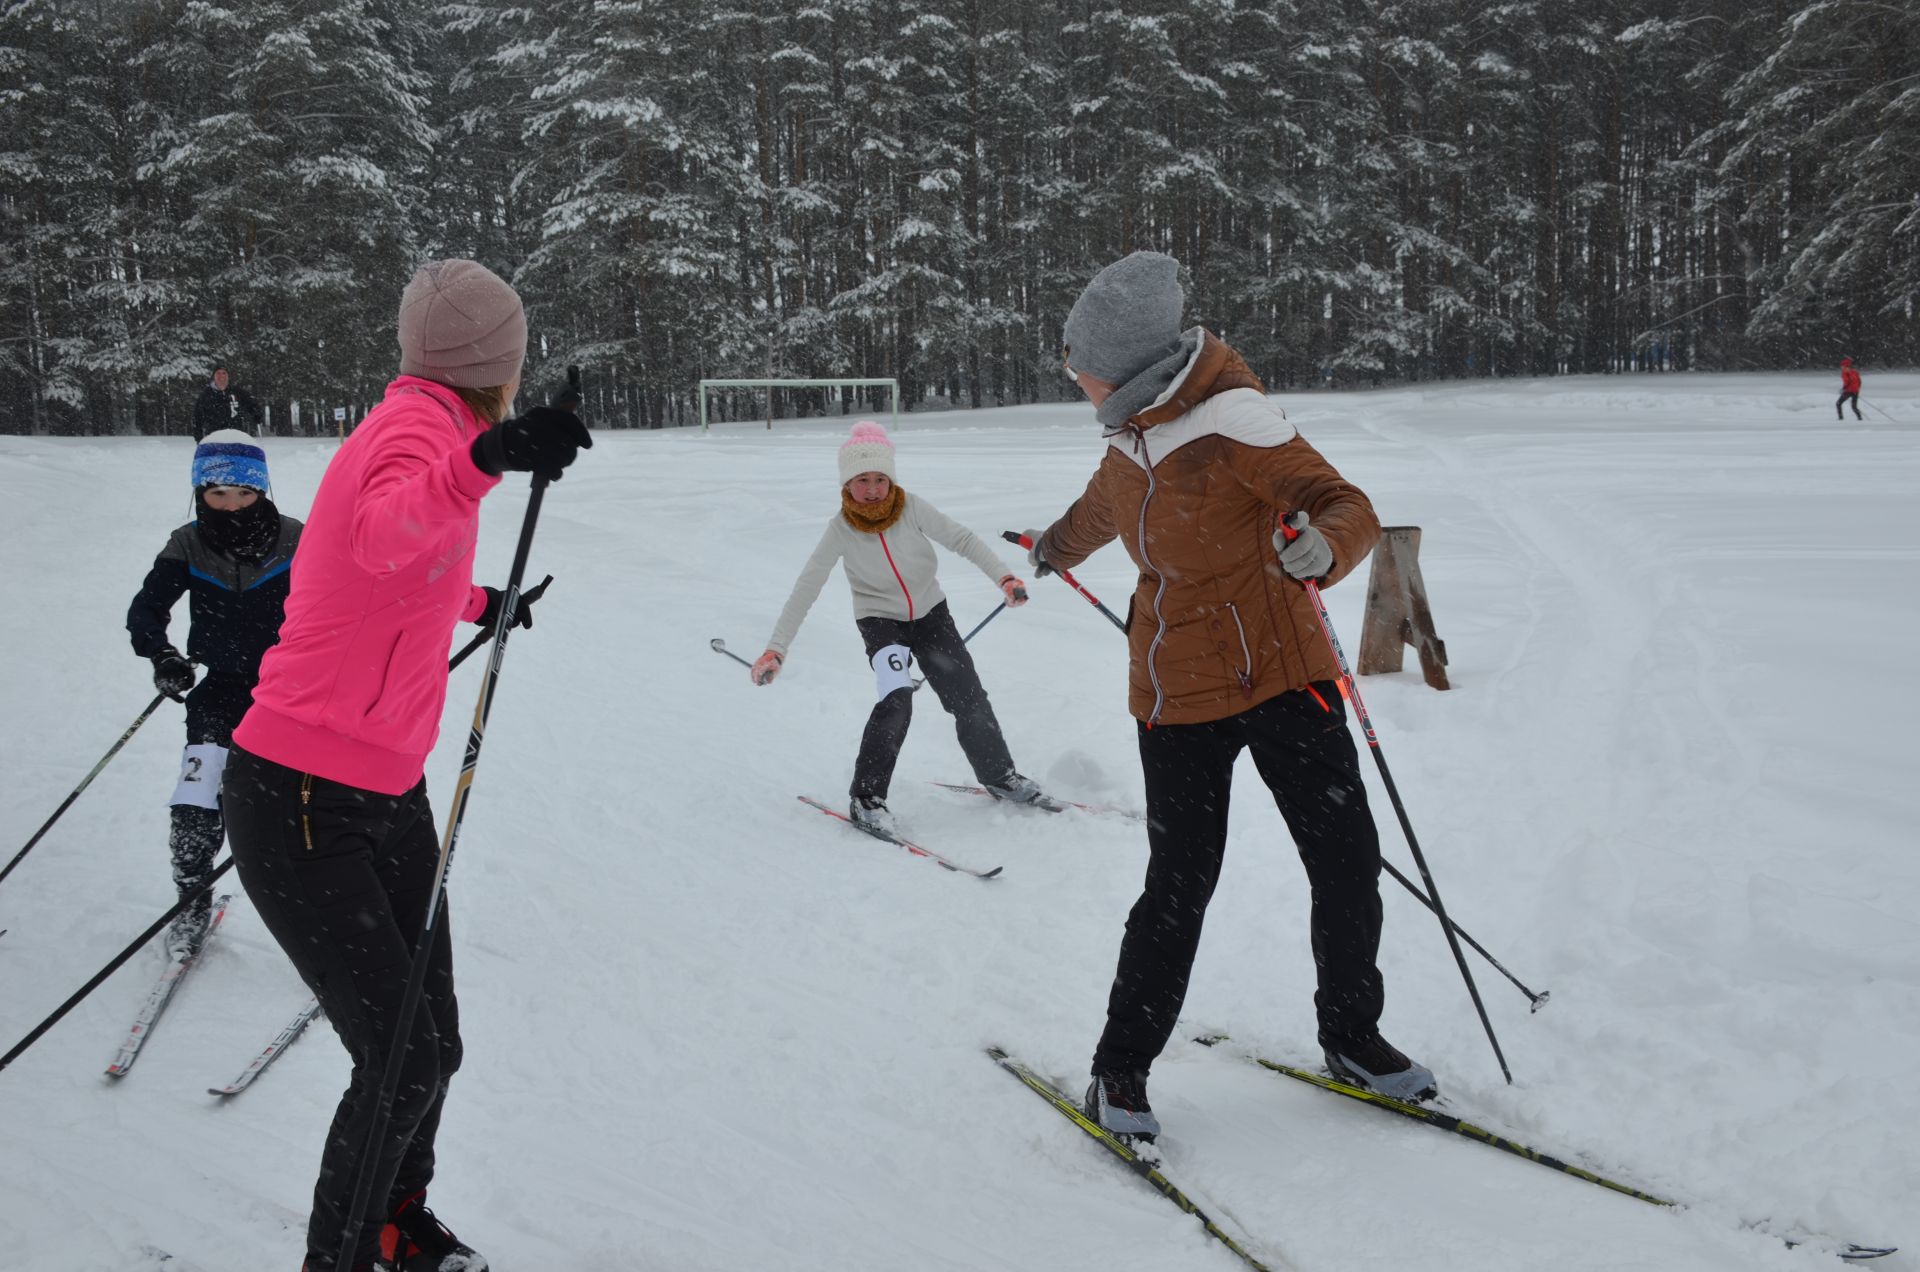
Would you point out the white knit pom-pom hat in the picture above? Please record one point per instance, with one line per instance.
(867, 449)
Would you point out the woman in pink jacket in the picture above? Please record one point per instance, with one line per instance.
(326, 807)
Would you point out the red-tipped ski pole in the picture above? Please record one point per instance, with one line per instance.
(1014, 536)
(1351, 692)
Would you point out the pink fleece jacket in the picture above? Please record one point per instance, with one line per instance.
(384, 571)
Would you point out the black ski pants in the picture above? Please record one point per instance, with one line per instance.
(1839, 414)
(214, 709)
(943, 656)
(1304, 753)
(342, 878)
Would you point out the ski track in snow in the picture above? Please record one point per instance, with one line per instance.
(709, 1029)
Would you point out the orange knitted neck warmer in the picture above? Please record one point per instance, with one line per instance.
(873, 518)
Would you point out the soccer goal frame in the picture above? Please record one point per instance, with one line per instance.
(887, 382)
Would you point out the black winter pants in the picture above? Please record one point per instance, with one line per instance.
(1838, 414)
(943, 656)
(214, 709)
(1305, 755)
(342, 876)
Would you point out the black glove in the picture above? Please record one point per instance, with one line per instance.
(543, 441)
(1034, 558)
(172, 673)
(522, 609)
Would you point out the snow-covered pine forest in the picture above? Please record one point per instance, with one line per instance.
(916, 188)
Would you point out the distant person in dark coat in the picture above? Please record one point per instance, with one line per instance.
(220, 407)
(1849, 389)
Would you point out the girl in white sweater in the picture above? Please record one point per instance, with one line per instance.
(884, 537)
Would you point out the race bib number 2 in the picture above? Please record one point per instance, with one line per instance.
(200, 767)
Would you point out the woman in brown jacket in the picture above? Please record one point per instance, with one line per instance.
(1226, 654)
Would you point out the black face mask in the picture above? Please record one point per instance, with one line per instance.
(248, 535)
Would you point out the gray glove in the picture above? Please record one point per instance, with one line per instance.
(1307, 555)
(1039, 563)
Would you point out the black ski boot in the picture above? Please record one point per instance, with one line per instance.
(1378, 1067)
(414, 1241)
(1117, 1102)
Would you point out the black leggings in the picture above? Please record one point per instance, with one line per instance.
(1306, 757)
(942, 655)
(1838, 414)
(342, 877)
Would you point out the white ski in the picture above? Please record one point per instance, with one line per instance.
(162, 994)
(281, 1041)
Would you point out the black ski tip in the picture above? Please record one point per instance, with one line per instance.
(993, 873)
(1860, 1254)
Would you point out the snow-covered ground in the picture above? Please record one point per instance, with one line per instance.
(710, 1030)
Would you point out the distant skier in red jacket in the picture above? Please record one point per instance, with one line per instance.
(1849, 388)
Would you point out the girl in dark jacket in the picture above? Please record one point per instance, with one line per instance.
(231, 560)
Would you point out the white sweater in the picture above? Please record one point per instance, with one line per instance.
(891, 573)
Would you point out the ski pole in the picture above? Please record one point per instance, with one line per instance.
(1351, 692)
(983, 622)
(1538, 1000)
(112, 967)
(1882, 414)
(417, 974)
(921, 680)
(719, 646)
(528, 597)
(1014, 536)
(84, 782)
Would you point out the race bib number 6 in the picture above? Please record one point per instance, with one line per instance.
(892, 669)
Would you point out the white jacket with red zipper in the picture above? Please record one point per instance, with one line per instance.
(891, 573)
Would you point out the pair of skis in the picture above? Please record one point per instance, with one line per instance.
(1147, 1166)
(1045, 803)
(178, 965)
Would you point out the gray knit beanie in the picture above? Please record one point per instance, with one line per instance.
(461, 325)
(1127, 319)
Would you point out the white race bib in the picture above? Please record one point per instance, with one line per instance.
(200, 767)
(892, 669)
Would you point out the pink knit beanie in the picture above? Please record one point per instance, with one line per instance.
(461, 325)
(866, 450)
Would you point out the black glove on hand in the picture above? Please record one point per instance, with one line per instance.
(490, 617)
(1039, 563)
(172, 673)
(543, 441)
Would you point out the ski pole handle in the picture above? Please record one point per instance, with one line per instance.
(1015, 537)
(481, 638)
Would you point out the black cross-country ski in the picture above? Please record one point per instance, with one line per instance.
(281, 1041)
(1120, 1148)
(1442, 1120)
(901, 842)
(162, 994)
(1046, 802)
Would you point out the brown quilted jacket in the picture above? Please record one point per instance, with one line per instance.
(1193, 486)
